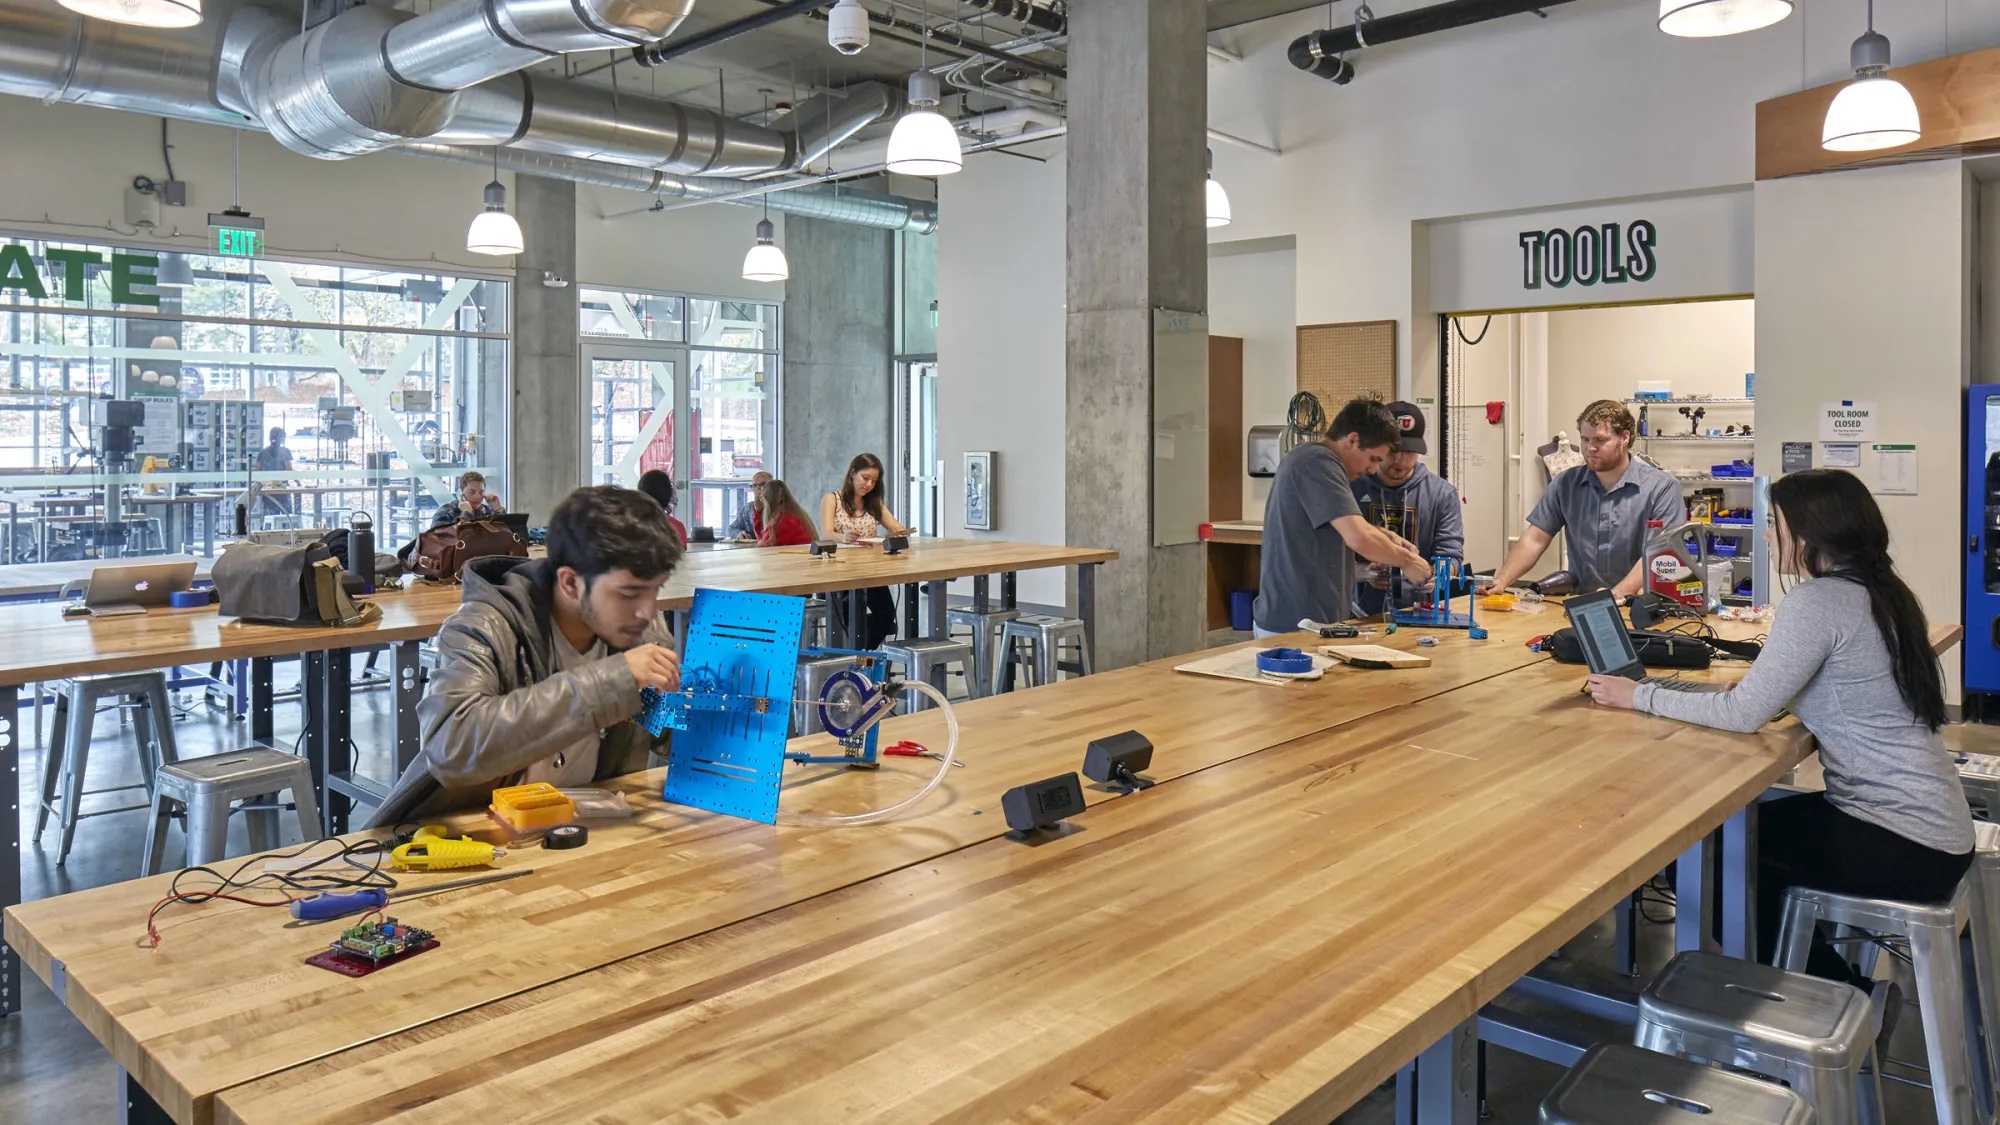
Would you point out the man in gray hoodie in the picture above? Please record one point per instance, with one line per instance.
(1402, 495)
(539, 670)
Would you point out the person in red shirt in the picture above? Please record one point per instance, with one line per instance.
(658, 485)
(785, 522)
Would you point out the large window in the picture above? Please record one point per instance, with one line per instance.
(687, 385)
(333, 389)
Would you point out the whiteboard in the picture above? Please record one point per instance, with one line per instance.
(1180, 426)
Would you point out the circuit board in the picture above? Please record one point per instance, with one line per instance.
(364, 948)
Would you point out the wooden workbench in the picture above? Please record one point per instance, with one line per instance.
(181, 1021)
(1264, 940)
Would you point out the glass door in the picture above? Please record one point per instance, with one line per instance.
(636, 418)
(920, 474)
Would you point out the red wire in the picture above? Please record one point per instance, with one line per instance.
(192, 898)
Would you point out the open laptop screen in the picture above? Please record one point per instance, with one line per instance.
(1600, 630)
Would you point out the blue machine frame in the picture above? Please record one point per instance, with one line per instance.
(1445, 573)
(1982, 538)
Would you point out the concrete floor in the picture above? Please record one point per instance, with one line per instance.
(53, 1072)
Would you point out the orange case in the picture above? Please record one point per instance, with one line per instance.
(533, 806)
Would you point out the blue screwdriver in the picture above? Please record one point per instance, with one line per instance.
(339, 904)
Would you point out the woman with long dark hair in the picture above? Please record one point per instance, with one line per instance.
(785, 523)
(858, 512)
(658, 485)
(1849, 654)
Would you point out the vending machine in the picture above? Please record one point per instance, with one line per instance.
(1982, 539)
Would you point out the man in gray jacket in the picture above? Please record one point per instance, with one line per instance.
(1402, 495)
(539, 671)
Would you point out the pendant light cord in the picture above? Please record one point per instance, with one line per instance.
(236, 169)
(1871, 16)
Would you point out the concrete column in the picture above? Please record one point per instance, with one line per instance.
(547, 456)
(1138, 98)
(839, 360)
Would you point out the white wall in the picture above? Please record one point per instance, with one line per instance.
(1863, 293)
(1254, 296)
(1001, 349)
(693, 250)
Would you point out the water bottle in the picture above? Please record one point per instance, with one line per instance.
(361, 549)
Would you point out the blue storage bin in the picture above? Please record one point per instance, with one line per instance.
(1240, 615)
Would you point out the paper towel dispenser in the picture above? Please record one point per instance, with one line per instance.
(1263, 450)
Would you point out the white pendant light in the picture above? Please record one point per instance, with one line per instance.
(493, 230)
(140, 13)
(174, 272)
(1218, 199)
(765, 261)
(924, 142)
(1705, 19)
(1873, 111)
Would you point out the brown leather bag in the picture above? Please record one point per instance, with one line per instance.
(442, 552)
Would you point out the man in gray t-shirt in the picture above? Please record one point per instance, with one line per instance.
(1313, 527)
(1604, 503)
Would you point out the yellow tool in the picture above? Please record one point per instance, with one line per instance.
(533, 806)
(431, 850)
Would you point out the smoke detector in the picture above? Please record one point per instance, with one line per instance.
(847, 27)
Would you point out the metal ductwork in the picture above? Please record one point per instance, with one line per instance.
(1021, 11)
(815, 201)
(1320, 52)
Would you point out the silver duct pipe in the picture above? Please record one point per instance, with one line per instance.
(887, 212)
(466, 42)
(824, 122)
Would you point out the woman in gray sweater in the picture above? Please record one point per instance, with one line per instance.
(1849, 654)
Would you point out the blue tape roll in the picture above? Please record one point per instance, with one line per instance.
(1285, 661)
(188, 599)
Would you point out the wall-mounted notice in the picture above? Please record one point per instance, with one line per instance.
(1798, 456)
(1896, 470)
(1841, 455)
(1846, 421)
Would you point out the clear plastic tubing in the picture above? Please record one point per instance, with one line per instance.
(830, 820)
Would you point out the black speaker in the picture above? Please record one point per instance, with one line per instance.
(823, 548)
(1042, 804)
(1117, 760)
(701, 535)
(895, 544)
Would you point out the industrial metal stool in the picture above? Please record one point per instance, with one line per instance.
(1045, 638)
(206, 789)
(1980, 774)
(63, 765)
(1985, 935)
(986, 641)
(1616, 1084)
(813, 634)
(1932, 930)
(1812, 1035)
(929, 661)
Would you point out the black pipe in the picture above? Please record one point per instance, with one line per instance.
(653, 54)
(1023, 11)
(1318, 52)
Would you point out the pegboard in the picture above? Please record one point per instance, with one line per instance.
(740, 644)
(1339, 362)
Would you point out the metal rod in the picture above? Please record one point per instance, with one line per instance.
(456, 884)
(653, 54)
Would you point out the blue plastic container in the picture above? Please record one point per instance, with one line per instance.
(1240, 615)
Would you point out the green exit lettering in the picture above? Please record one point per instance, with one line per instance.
(234, 242)
(18, 274)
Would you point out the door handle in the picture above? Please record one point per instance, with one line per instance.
(1972, 545)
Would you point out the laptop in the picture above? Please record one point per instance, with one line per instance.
(1607, 646)
(131, 589)
(517, 522)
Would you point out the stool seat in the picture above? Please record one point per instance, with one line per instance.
(1617, 1084)
(985, 628)
(205, 791)
(928, 660)
(1046, 637)
(1816, 1036)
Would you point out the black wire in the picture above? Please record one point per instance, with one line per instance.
(302, 878)
(1305, 416)
(166, 151)
(1460, 329)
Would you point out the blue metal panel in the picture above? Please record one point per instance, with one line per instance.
(1982, 538)
(733, 713)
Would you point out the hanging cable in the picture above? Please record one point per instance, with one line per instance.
(1459, 327)
(1305, 420)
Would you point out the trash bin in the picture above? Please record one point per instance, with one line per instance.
(1240, 602)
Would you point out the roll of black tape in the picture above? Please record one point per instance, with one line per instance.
(566, 836)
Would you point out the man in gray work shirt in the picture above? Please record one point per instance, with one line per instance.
(1605, 503)
(1405, 497)
(1313, 526)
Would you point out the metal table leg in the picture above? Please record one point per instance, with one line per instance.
(982, 598)
(939, 607)
(261, 696)
(912, 627)
(1738, 905)
(136, 1106)
(1010, 596)
(10, 823)
(1694, 896)
(338, 670)
(1086, 608)
(407, 689)
(1439, 1087)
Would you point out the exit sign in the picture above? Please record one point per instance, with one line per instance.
(234, 242)
(238, 233)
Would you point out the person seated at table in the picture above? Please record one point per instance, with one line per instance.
(854, 513)
(658, 485)
(783, 519)
(539, 670)
(473, 503)
(1850, 655)
(749, 521)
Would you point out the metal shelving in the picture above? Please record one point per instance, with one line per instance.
(1739, 438)
(1690, 401)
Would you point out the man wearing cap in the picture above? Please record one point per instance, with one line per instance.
(1403, 496)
